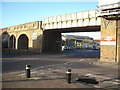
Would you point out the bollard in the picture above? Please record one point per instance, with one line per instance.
(27, 71)
(68, 76)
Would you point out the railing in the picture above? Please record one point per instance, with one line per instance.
(78, 19)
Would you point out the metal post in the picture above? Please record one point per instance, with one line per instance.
(27, 71)
(116, 55)
(68, 76)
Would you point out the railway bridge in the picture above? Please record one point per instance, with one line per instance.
(45, 36)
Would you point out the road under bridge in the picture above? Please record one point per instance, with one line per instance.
(46, 36)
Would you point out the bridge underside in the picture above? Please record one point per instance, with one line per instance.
(77, 29)
(52, 38)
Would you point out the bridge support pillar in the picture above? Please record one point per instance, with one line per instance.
(118, 41)
(110, 40)
(51, 41)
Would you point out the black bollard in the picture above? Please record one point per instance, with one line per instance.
(68, 76)
(27, 71)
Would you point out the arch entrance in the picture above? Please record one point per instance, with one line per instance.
(5, 40)
(23, 42)
(12, 42)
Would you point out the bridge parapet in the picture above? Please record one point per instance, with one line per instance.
(22, 27)
(78, 19)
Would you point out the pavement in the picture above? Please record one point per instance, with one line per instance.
(54, 76)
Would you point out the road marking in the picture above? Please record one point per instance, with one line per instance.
(81, 60)
(41, 67)
(14, 72)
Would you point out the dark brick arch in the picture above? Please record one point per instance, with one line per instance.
(23, 42)
(12, 42)
(5, 40)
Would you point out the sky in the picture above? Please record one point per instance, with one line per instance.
(14, 13)
(94, 35)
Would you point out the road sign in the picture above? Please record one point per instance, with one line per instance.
(108, 40)
(34, 37)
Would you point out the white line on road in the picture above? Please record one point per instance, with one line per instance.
(42, 67)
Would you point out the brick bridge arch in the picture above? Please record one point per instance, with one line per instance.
(23, 42)
(5, 39)
(12, 41)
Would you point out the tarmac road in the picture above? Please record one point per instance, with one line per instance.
(47, 68)
(18, 63)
